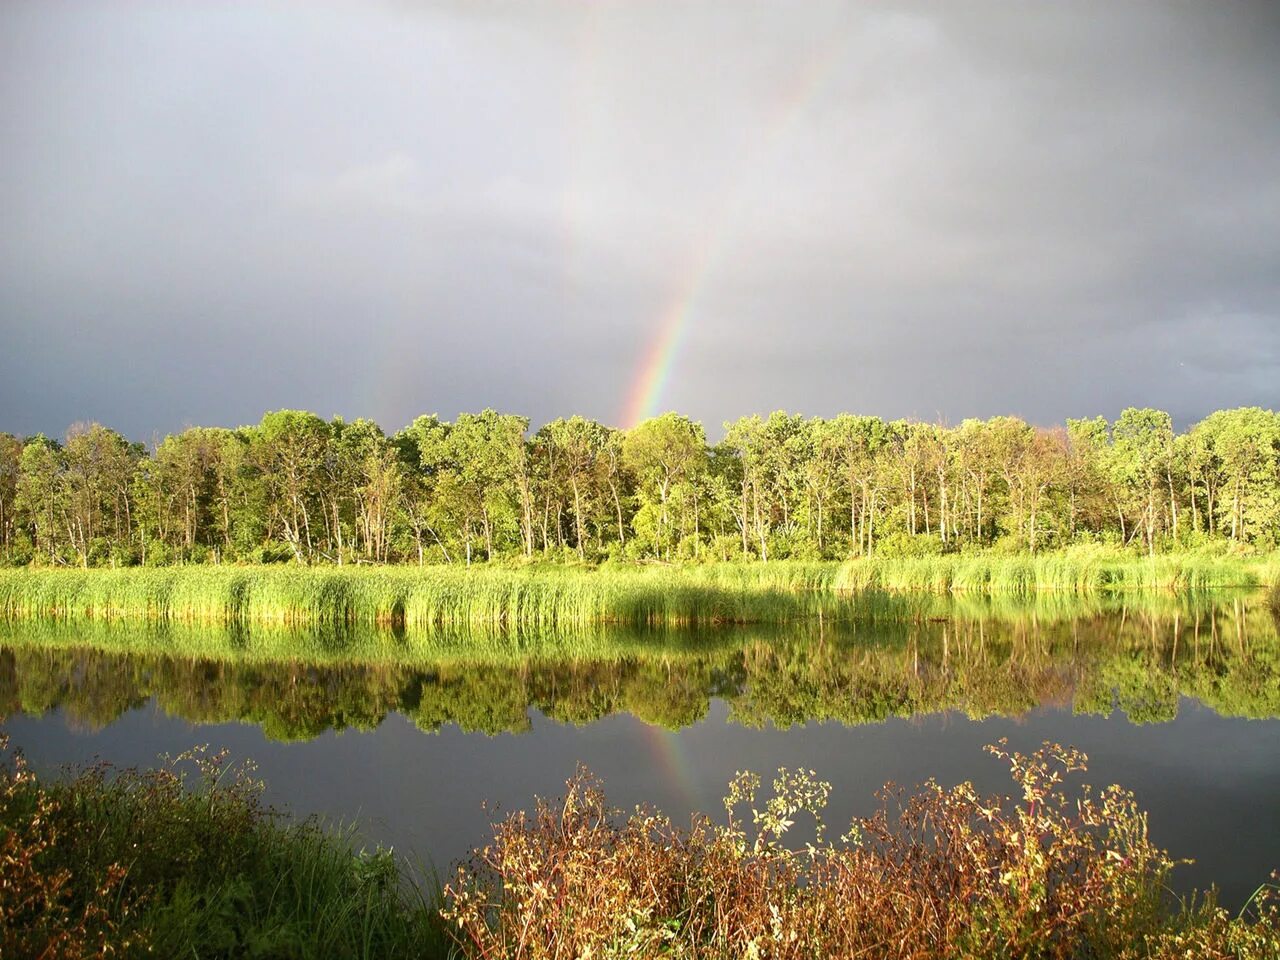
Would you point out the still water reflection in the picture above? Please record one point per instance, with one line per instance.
(1178, 700)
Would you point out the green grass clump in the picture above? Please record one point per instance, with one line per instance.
(543, 596)
(159, 863)
(556, 597)
(1075, 570)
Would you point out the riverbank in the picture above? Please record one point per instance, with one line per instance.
(186, 860)
(551, 596)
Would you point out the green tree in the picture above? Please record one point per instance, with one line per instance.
(857, 443)
(96, 481)
(581, 446)
(744, 440)
(1141, 467)
(38, 499)
(1085, 474)
(288, 448)
(423, 450)
(182, 490)
(1245, 445)
(487, 480)
(662, 452)
(820, 465)
(365, 484)
(10, 464)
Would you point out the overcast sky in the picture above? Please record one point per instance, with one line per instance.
(384, 209)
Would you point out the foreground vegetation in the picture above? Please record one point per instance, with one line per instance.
(135, 863)
(1046, 872)
(553, 596)
(161, 863)
(296, 487)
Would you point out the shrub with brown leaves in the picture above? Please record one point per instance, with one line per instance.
(42, 913)
(164, 863)
(941, 873)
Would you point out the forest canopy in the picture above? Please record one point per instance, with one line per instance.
(296, 487)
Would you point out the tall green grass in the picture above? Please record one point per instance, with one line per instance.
(547, 597)
(553, 597)
(1078, 570)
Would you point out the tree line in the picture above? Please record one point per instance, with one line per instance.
(297, 487)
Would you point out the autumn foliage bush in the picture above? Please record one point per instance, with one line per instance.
(944, 872)
(159, 863)
(43, 911)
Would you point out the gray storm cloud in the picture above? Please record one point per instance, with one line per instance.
(382, 210)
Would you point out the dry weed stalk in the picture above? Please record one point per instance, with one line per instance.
(944, 872)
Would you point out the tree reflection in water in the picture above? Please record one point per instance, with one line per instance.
(981, 658)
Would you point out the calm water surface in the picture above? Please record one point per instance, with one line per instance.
(1180, 703)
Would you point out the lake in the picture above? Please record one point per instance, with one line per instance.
(413, 737)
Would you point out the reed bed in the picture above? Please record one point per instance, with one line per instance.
(1079, 571)
(551, 597)
(548, 597)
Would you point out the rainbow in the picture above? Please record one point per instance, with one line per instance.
(650, 381)
(655, 369)
(673, 762)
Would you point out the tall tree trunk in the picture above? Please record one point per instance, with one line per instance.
(617, 505)
(855, 536)
(577, 515)
(911, 498)
(942, 506)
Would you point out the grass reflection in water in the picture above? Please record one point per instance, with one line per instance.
(895, 658)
